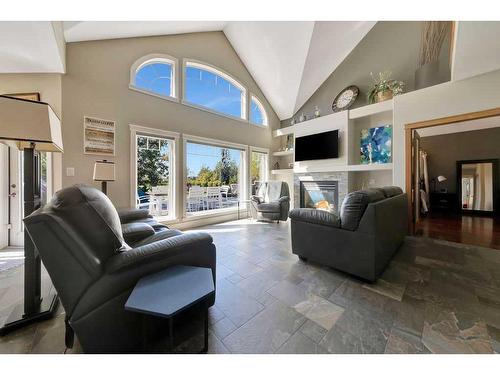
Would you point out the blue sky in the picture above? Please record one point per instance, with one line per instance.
(205, 89)
(209, 90)
(199, 155)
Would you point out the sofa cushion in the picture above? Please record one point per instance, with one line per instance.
(314, 216)
(133, 232)
(354, 206)
(391, 191)
(89, 211)
(269, 207)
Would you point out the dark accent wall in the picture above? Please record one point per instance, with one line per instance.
(443, 152)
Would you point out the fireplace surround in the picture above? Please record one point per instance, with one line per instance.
(321, 178)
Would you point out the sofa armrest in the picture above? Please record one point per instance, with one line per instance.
(136, 231)
(313, 216)
(157, 251)
(131, 214)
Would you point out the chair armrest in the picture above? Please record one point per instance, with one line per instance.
(284, 198)
(313, 216)
(157, 251)
(256, 199)
(131, 214)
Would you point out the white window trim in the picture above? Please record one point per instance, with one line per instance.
(157, 58)
(262, 109)
(136, 130)
(243, 170)
(215, 70)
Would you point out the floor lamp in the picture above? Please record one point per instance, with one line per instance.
(30, 126)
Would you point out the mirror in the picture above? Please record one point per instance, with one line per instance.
(477, 185)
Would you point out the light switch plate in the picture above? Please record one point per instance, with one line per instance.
(70, 172)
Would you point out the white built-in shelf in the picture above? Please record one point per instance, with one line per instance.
(328, 167)
(283, 153)
(371, 109)
(282, 171)
(333, 120)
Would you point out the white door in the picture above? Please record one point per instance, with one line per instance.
(16, 237)
(4, 196)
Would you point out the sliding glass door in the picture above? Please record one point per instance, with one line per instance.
(214, 177)
(155, 171)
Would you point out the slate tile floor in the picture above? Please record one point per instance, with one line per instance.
(434, 297)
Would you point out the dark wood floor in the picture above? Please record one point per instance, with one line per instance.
(466, 229)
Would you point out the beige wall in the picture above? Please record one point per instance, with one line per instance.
(49, 87)
(390, 46)
(96, 84)
(445, 150)
(447, 99)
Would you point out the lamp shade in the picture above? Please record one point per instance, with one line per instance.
(24, 123)
(104, 171)
(441, 178)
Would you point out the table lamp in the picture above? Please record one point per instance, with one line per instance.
(104, 171)
(30, 126)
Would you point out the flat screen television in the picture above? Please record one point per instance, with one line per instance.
(317, 146)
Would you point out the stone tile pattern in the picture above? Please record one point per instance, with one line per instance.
(434, 297)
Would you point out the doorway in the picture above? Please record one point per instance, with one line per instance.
(447, 161)
(11, 181)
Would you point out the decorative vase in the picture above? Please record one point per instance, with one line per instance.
(429, 75)
(382, 96)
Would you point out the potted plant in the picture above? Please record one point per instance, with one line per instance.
(384, 87)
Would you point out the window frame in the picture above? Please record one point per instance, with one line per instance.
(157, 58)
(186, 138)
(228, 77)
(259, 150)
(262, 109)
(137, 130)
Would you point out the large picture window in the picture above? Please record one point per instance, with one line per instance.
(156, 75)
(214, 177)
(210, 88)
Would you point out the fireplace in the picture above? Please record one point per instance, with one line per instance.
(321, 195)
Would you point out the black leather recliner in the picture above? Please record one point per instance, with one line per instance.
(95, 255)
(361, 241)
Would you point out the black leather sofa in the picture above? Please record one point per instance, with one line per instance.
(361, 241)
(95, 255)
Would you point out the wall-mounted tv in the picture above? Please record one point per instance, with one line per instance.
(317, 146)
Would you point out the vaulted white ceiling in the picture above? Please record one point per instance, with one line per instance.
(288, 60)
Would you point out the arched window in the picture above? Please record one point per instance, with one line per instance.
(155, 74)
(258, 114)
(212, 89)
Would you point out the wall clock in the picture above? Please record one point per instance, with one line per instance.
(345, 98)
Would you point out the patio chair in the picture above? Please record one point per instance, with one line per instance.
(234, 189)
(214, 197)
(159, 194)
(224, 190)
(142, 199)
(196, 199)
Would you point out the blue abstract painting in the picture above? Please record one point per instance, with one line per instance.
(376, 145)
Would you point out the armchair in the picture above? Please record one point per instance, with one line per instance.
(95, 255)
(272, 201)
